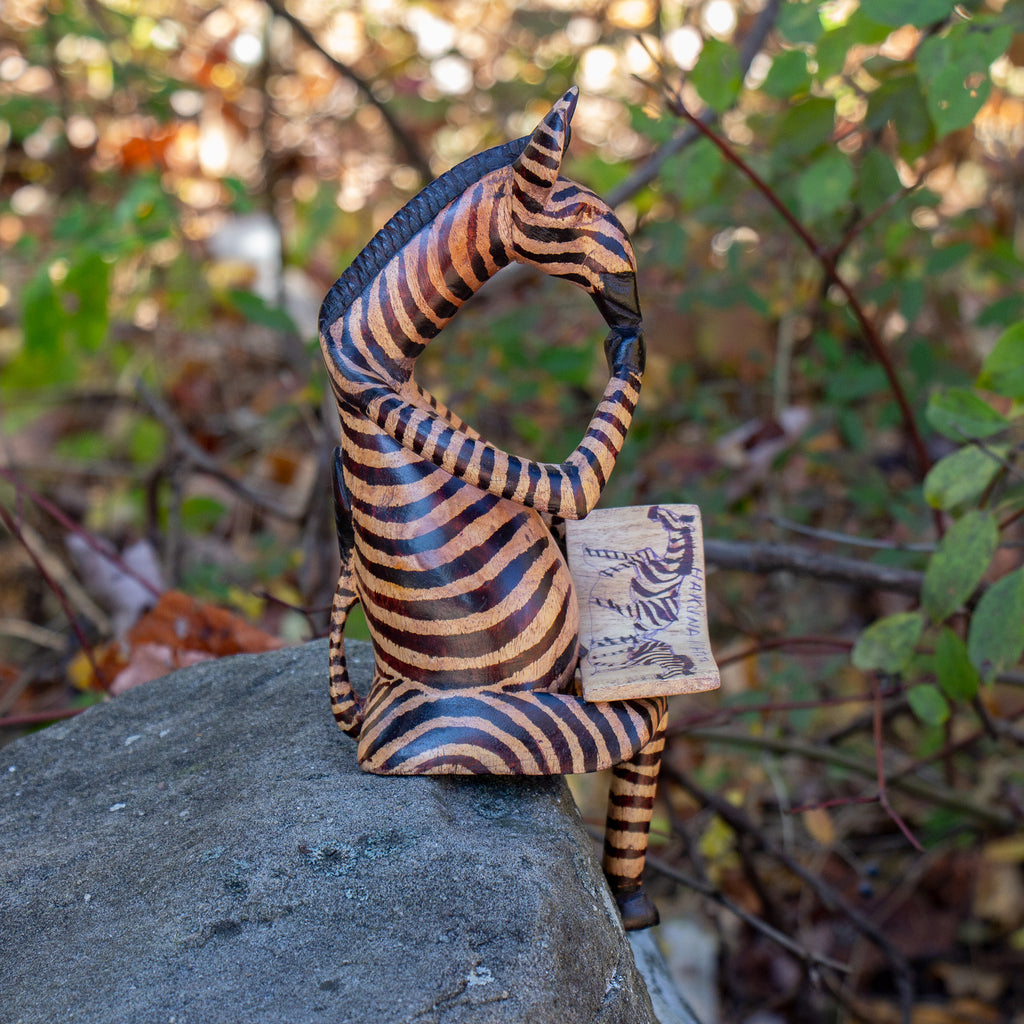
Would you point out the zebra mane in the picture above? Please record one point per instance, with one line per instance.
(411, 218)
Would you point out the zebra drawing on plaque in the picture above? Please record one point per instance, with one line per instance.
(443, 536)
(652, 602)
(614, 654)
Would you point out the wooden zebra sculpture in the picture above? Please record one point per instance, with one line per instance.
(444, 538)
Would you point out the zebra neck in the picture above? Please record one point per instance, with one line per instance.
(425, 283)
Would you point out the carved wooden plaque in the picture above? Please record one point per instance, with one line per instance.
(639, 578)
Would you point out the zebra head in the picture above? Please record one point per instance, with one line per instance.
(566, 230)
(669, 519)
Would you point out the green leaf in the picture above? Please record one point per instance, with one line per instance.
(256, 310)
(953, 69)
(86, 291)
(801, 131)
(962, 415)
(147, 441)
(948, 257)
(953, 98)
(42, 319)
(959, 564)
(1001, 312)
(878, 180)
(899, 106)
(911, 298)
(1003, 370)
(825, 186)
(928, 704)
(200, 513)
(995, 639)
(888, 644)
(834, 47)
(693, 174)
(961, 477)
(800, 23)
(787, 76)
(717, 75)
(957, 676)
(84, 446)
(894, 13)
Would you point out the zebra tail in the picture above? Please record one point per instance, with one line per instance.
(346, 704)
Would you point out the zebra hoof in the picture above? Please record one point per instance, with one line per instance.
(637, 910)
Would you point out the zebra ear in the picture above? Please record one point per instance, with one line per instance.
(536, 168)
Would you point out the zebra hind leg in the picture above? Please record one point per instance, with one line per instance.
(630, 805)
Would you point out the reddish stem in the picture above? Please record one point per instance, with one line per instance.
(72, 527)
(832, 272)
(787, 641)
(38, 717)
(15, 530)
(883, 792)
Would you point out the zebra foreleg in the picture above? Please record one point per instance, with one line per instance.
(630, 805)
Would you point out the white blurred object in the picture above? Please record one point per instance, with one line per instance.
(691, 952)
(756, 443)
(121, 592)
(672, 1003)
(253, 240)
(752, 448)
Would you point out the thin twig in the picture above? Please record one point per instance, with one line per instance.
(91, 541)
(914, 787)
(202, 462)
(740, 823)
(651, 167)
(57, 590)
(404, 139)
(883, 790)
(30, 718)
(837, 537)
(683, 725)
(757, 923)
(33, 633)
(782, 642)
(863, 223)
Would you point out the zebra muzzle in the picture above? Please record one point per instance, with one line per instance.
(625, 351)
(617, 300)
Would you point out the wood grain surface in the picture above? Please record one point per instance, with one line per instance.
(639, 578)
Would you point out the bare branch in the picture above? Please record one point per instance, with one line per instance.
(201, 461)
(756, 557)
(757, 923)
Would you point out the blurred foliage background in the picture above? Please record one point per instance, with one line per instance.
(832, 286)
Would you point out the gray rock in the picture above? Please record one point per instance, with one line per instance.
(205, 849)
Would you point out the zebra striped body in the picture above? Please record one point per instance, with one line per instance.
(468, 599)
(654, 591)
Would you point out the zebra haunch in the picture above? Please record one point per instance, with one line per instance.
(446, 540)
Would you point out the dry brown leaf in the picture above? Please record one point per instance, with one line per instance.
(819, 825)
(179, 631)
